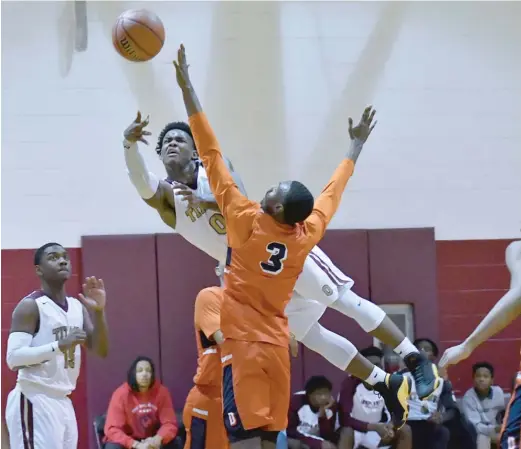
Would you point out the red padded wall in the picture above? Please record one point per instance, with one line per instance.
(18, 280)
(127, 264)
(403, 270)
(472, 277)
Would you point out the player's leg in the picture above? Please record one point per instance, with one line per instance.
(70, 439)
(376, 323)
(35, 423)
(323, 281)
(279, 372)
(245, 392)
(511, 431)
(394, 388)
(194, 421)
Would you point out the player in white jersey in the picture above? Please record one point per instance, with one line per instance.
(47, 330)
(185, 203)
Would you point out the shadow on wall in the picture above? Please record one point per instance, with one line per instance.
(361, 84)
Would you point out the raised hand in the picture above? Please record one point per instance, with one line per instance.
(181, 68)
(94, 296)
(136, 130)
(365, 127)
(186, 193)
(454, 355)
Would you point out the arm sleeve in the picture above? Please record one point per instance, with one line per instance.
(238, 211)
(327, 427)
(116, 421)
(345, 402)
(472, 413)
(207, 312)
(20, 353)
(145, 182)
(168, 429)
(327, 203)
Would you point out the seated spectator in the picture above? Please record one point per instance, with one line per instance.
(364, 419)
(426, 418)
(483, 405)
(140, 413)
(312, 416)
(461, 432)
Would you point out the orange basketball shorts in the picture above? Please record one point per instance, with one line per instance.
(256, 389)
(203, 419)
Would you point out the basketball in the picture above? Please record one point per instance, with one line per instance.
(138, 35)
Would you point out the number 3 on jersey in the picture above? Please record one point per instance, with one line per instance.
(274, 264)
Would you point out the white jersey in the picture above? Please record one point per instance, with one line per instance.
(203, 228)
(58, 375)
(368, 405)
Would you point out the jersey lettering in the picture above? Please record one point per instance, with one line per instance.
(68, 353)
(217, 223)
(216, 220)
(278, 254)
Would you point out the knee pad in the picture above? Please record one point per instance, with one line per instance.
(367, 314)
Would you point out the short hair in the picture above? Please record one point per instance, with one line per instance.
(479, 365)
(39, 252)
(435, 349)
(315, 383)
(182, 126)
(298, 203)
(372, 351)
(131, 374)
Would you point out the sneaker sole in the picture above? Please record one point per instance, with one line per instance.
(403, 394)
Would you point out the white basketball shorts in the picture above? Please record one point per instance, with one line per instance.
(369, 440)
(42, 422)
(317, 288)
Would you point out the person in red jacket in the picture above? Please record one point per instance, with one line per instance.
(140, 414)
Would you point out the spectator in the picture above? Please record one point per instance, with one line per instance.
(313, 416)
(483, 405)
(426, 418)
(363, 416)
(140, 414)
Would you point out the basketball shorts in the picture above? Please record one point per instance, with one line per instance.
(256, 388)
(203, 419)
(511, 431)
(317, 287)
(41, 422)
(369, 440)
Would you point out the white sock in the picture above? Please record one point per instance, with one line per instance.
(377, 375)
(405, 348)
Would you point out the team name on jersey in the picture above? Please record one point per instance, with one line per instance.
(60, 333)
(216, 220)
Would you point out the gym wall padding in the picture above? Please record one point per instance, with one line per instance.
(127, 264)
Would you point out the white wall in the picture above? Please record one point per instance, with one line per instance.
(278, 81)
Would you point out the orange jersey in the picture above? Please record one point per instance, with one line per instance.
(207, 320)
(265, 257)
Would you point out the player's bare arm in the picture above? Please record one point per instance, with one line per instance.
(156, 193)
(94, 298)
(329, 200)
(24, 325)
(506, 310)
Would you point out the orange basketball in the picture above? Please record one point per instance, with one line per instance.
(138, 35)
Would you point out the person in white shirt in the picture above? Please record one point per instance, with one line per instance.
(47, 330)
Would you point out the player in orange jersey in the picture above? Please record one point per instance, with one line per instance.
(202, 414)
(268, 244)
(507, 309)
